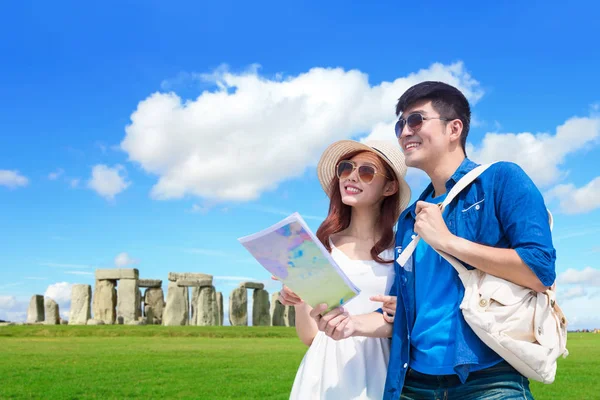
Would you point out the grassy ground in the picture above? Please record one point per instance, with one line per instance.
(118, 362)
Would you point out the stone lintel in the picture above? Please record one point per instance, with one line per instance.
(194, 283)
(252, 285)
(188, 276)
(150, 283)
(117, 273)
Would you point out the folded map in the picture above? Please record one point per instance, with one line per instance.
(294, 255)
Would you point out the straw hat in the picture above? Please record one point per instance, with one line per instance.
(388, 151)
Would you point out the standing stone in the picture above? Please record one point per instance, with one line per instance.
(155, 299)
(277, 311)
(127, 301)
(149, 315)
(260, 308)
(208, 312)
(220, 308)
(194, 306)
(35, 312)
(238, 307)
(138, 304)
(52, 315)
(177, 309)
(81, 297)
(289, 316)
(105, 301)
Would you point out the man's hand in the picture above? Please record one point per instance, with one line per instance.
(337, 324)
(388, 306)
(430, 225)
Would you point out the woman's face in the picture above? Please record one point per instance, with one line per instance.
(357, 193)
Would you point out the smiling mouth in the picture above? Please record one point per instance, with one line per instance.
(411, 146)
(352, 190)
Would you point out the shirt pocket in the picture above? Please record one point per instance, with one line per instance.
(471, 215)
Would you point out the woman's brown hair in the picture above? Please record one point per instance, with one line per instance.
(340, 214)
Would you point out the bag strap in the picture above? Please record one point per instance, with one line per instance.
(463, 182)
(466, 180)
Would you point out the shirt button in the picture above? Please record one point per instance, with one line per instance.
(408, 337)
(477, 207)
(405, 365)
(413, 236)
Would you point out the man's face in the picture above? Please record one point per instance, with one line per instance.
(424, 144)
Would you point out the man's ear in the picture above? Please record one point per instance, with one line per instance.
(455, 128)
(390, 188)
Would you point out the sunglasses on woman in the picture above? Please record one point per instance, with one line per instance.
(366, 173)
(414, 122)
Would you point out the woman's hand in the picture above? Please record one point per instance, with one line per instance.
(287, 297)
(388, 306)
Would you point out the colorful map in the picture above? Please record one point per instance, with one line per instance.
(293, 254)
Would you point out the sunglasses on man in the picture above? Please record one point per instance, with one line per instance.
(414, 122)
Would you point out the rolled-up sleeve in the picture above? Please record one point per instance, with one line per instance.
(524, 218)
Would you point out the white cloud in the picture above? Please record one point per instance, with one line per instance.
(60, 292)
(235, 278)
(56, 174)
(571, 293)
(15, 316)
(13, 309)
(79, 273)
(74, 182)
(108, 182)
(476, 122)
(283, 213)
(588, 276)
(253, 132)
(62, 265)
(541, 155)
(7, 302)
(581, 312)
(123, 260)
(578, 231)
(198, 209)
(579, 296)
(575, 200)
(208, 252)
(12, 179)
(101, 146)
(9, 285)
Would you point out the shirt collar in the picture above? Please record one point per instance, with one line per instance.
(465, 166)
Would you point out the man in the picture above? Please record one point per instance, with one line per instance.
(498, 224)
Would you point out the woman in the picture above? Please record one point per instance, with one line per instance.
(367, 191)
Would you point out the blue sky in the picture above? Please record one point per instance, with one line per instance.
(167, 131)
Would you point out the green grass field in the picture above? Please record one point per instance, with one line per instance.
(119, 362)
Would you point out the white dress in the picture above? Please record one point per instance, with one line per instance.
(353, 368)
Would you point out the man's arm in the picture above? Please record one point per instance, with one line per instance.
(530, 260)
(503, 263)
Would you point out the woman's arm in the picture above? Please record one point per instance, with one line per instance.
(306, 327)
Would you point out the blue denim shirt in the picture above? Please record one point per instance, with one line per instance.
(502, 208)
